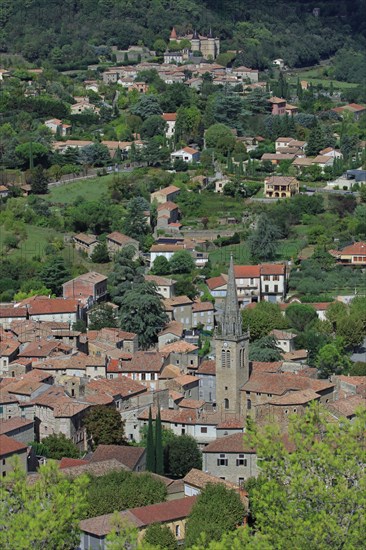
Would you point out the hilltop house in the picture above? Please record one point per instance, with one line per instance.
(281, 186)
(187, 154)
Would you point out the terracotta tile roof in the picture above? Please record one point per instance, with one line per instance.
(348, 406)
(169, 117)
(87, 239)
(127, 455)
(121, 239)
(294, 355)
(62, 405)
(354, 380)
(263, 366)
(173, 327)
(191, 404)
(122, 386)
(159, 281)
(144, 361)
(8, 348)
(13, 312)
(295, 398)
(7, 426)
(25, 387)
(53, 305)
(41, 348)
(8, 446)
(282, 334)
(272, 269)
(186, 379)
(164, 512)
(246, 271)
(71, 462)
(96, 469)
(199, 479)
(73, 362)
(275, 99)
(284, 139)
(169, 371)
(169, 205)
(207, 367)
(231, 424)
(167, 190)
(177, 301)
(234, 443)
(90, 277)
(279, 384)
(176, 396)
(356, 248)
(180, 346)
(166, 248)
(216, 282)
(202, 306)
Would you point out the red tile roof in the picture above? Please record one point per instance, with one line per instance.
(144, 361)
(272, 269)
(167, 190)
(207, 367)
(163, 512)
(202, 306)
(13, 312)
(71, 462)
(127, 455)
(355, 248)
(169, 117)
(246, 271)
(279, 384)
(49, 306)
(216, 282)
(122, 386)
(7, 426)
(169, 205)
(263, 366)
(9, 446)
(119, 238)
(234, 443)
(180, 346)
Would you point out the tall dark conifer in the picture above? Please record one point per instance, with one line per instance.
(150, 447)
(159, 455)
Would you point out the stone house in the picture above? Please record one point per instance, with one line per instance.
(77, 366)
(10, 448)
(171, 333)
(85, 243)
(277, 409)
(208, 45)
(168, 213)
(284, 340)
(116, 338)
(280, 187)
(206, 373)
(133, 458)
(8, 314)
(165, 286)
(262, 387)
(186, 154)
(273, 282)
(182, 354)
(166, 250)
(245, 73)
(54, 413)
(173, 514)
(278, 105)
(179, 309)
(8, 352)
(166, 194)
(116, 242)
(170, 119)
(144, 367)
(230, 458)
(185, 384)
(58, 127)
(354, 254)
(19, 429)
(54, 309)
(203, 314)
(89, 288)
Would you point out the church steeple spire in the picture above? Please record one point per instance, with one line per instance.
(231, 323)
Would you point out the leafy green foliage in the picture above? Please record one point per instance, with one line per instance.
(42, 514)
(265, 349)
(160, 536)
(300, 316)
(100, 254)
(319, 487)
(184, 455)
(104, 426)
(262, 319)
(263, 241)
(54, 273)
(141, 311)
(120, 490)
(181, 262)
(217, 510)
(150, 446)
(58, 446)
(101, 316)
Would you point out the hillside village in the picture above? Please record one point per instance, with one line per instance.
(183, 264)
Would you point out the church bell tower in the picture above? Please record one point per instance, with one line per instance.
(232, 351)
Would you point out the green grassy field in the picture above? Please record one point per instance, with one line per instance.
(316, 76)
(34, 244)
(90, 189)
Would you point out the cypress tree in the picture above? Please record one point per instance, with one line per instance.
(159, 455)
(150, 447)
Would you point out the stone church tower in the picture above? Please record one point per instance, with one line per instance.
(232, 352)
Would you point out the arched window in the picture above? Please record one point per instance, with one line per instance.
(226, 403)
(223, 358)
(228, 358)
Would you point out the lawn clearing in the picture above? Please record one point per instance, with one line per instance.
(90, 189)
